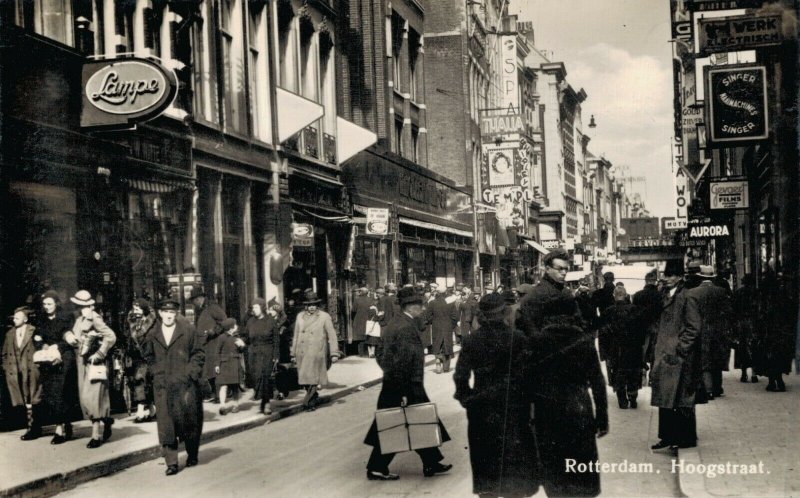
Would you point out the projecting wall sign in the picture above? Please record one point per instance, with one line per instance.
(736, 104)
(120, 93)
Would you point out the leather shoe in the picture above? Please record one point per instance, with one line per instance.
(436, 469)
(660, 445)
(107, 431)
(191, 462)
(634, 404)
(171, 470)
(379, 476)
(94, 443)
(30, 435)
(58, 439)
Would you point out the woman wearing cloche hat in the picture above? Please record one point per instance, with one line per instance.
(93, 339)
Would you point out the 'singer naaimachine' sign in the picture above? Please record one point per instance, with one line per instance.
(736, 103)
(120, 93)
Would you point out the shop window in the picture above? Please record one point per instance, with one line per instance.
(235, 103)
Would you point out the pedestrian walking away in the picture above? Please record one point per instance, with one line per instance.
(208, 321)
(401, 356)
(315, 342)
(624, 335)
(230, 374)
(174, 352)
(502, 446)
(443, 318)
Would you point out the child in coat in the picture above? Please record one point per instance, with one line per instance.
(228, 369)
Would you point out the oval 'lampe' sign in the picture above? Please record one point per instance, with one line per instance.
(123, 92)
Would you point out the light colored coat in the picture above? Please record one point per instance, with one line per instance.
(19, 361)
(95, 400)
(312, 333)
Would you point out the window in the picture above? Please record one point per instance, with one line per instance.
(50, 18)
(253, 29)
(413, 60)
(328, 82)
(287, 47)
(398, 136)
(205, 66)
(397, 50)
(415, 144)
(235, 103)
(123, 25)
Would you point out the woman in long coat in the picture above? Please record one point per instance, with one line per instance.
(314, 338)
(564, 365)
(95, 340)
(262, 335)
(60, 404)
(140, 320)
(501, 443)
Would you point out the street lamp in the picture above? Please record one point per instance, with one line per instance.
(592, 123)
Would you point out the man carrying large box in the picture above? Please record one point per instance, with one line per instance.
(400, 355)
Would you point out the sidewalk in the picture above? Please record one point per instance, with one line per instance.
(37, 468)
(748, 425)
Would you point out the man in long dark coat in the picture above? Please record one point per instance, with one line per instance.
(443, 318)
(710, 306)
(564, 365)
(676, 378)
(174, 352)
(745, 309)
(208, 319)
(401, 357)
(388, 305)
(360, 314)
(602, 300)
(649, 300)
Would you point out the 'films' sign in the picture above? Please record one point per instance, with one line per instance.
(729, 194)
(736, 103)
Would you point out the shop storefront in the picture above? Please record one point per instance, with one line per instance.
(428, 237)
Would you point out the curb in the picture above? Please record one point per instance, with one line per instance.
(692, 484)
(62, 481)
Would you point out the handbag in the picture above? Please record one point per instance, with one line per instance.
(97, 373)
(47, 355)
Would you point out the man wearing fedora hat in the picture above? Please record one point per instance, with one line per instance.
(709, 306)
(208, 322)
(314, 334)
(400, 355)
(174, 352)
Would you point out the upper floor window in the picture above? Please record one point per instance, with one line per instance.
(235, 100)
(397, 35)
(204, 45)
(287, 48)
(51, 18)
(414, 44)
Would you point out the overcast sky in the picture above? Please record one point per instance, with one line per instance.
(619, 52)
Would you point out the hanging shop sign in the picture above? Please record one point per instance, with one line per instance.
(510, 81)
(736, 104)
(707, 228)
(302, 235)
(121, 93)
(377, 221)
(709, 5)
(510, 204)
(681, 185)
(728, 194)
(732, 34)
(672, 224)
(499, 126)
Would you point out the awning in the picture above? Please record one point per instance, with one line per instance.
(159, 186)
(539, 247)
(434, 226)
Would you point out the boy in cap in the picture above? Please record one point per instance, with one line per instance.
(230, 375)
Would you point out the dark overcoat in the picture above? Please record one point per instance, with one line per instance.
(208, 324)
(443, 318)
(745, 309)
(649, 301)
(468, 312)
(564, 365)
(263, 338)
(676, 377)
(60, 402)
(602, 300)
(777, 332)
(361, 306)
(625, 337)
(22, 374)
(388, 305)
(710, 305)
(176, 368)
(401, 356)
(501, 442)
(229, 361)
(532, 307)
